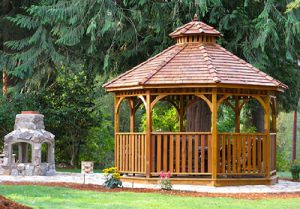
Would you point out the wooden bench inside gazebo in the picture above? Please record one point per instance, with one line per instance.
(194, 69)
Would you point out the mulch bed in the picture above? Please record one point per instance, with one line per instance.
(98, 188)
(9, 204)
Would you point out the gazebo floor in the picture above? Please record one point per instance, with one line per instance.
(205, 181)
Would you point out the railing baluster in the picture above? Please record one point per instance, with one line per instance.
(234, 148)
(153, 152)
(209, 154)
(158, 163)
(183, 152)
(139, 153)
(143, 155)
(254, 154)
(171, 166)
(165, 153)
(190, 153)
(223, 153)
(238, 153)
(265, 154)
(229, 144)
(130, 153)
(177, 153)
(259, 154)
(121, 153)
(203, 153)
(196, 153)
(243, 142)
(117, 145)
(249, 153)
(135, 153)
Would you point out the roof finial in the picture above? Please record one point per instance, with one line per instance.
(195, 17)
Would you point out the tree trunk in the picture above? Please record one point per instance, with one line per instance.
(198, 117)
(72, 159)
(258, 119)
(6, 35)
(5, 81)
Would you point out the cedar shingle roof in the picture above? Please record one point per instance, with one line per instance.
(194, 64)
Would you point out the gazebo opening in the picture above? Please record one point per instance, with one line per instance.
(212, 96)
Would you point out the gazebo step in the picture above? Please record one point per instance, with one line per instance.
(205, 181)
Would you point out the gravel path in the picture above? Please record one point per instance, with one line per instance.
(97, 179)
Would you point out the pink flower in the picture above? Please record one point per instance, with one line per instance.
(162, 175)
(169, 174)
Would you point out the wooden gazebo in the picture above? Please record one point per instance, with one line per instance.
(196, 68)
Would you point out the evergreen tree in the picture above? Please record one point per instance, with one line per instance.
(293, 5)
(108, 37)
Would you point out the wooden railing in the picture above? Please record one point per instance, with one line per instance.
(181, 153)
(242, 153)
(190, 153)
(130, 152)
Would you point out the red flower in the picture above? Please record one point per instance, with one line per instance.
(169, 174)
(162, 175)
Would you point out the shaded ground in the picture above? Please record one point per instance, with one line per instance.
(9, 204)
(98, 188)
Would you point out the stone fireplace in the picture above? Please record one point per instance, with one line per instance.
(29, 149)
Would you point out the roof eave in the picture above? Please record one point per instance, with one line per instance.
(207, 85)
(192, 34)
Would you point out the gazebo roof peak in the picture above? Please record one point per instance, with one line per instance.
(197, 30)
(196, 17)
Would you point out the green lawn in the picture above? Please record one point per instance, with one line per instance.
(57, 197)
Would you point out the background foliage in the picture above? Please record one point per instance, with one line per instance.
(58, 53)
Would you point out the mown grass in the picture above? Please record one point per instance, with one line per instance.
(58, 197)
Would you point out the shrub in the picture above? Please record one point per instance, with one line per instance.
(112, 178)
(165, 182)
(295, 169)
(282, 161)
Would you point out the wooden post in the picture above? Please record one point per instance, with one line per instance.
(294, 156)
(274, 114)
(274, 126)
(116, 111)
(214, 131)
(131, 143)
(237, 112)
(148, 133)
(181, 110)
(267, 132)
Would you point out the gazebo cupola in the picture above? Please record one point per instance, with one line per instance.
(195, 32)
(196, 70)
